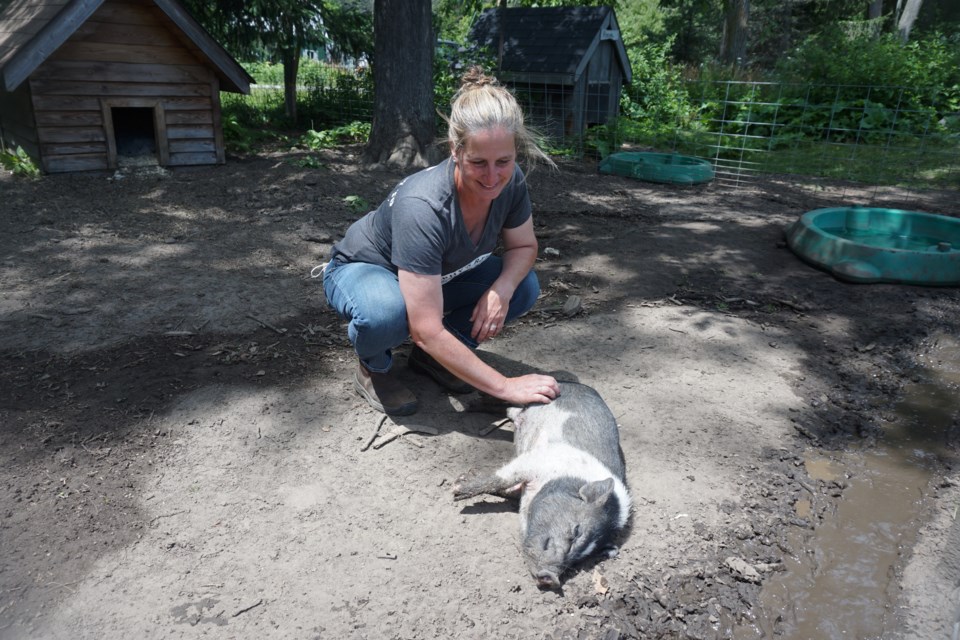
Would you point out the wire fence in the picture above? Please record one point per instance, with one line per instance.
(870, 135)
(866, 134)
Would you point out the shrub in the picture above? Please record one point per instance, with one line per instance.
(17, 161)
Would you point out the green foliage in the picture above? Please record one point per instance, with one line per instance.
(349, 29)
(353, 132)
(836, 56)
(311, 72)
(311, 162)
(656, 95)
(237, 137)
(357, 204)
(17, 161)
(339, 99)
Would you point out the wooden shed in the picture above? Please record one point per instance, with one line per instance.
(566, 64)
(97, 84)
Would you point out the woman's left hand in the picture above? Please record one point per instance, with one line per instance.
(489, 315)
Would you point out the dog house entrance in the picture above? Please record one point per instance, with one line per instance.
(135, 136)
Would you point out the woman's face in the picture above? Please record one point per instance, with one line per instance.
(485, 165)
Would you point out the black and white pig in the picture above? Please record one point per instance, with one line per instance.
(570, 475)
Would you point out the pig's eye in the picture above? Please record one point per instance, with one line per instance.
(546, 543)
(576, 531)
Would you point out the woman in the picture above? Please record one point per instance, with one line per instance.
(421, 264)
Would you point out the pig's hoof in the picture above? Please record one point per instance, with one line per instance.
(462, 489)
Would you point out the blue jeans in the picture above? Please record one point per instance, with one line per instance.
(368, 296)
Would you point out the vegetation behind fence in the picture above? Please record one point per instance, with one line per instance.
(872, 134)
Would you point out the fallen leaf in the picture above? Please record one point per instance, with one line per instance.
(600, 583)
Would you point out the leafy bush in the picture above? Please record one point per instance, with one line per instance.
(354, 132)
(837, 57)
(656, 95)
(17, 161)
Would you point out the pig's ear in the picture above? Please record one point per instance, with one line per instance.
(597, 491)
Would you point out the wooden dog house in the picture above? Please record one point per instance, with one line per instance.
(567, 65)
(97, 84)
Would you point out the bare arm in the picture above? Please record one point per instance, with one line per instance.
(424, 298)
(520, 252)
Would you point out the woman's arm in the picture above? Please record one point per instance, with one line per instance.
(423, 296)
(520, 252)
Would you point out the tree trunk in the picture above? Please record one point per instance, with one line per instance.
(291, 66)
(404, 121)
(911, 9)
(733, 49)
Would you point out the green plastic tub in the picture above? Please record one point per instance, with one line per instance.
(865, 245)
(668, 168)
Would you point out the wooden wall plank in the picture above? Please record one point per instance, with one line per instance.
(60, 103)
(69, 118)
(122, 72)
(144, 34)
(111, 52)
(190, 117)
(192, 146)
(61, 88)
(188, 132)
(84, 162)
(72, 149)
(123, 13)
(70, 134)
(187, 104)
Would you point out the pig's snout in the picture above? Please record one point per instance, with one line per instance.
(547, 579)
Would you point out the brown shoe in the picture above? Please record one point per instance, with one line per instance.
(422, 362)
(384, 392)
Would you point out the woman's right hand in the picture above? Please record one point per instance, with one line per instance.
(530, 389)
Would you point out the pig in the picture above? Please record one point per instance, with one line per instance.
(570, 474)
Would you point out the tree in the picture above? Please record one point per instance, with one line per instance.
(907, 10)
(404, 124)
(252, 28)
(733, 48)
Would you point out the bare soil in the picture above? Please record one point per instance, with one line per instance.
(182, 453)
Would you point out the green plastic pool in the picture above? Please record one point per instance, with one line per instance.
(865, 245)
(667, 168)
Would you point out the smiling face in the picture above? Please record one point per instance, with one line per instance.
(485, 165)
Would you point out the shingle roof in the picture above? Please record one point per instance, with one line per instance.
(31, 30)
(553, 40)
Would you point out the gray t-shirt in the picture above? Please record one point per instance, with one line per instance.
(418, 228)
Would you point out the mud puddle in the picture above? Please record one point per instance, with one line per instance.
(841, 578)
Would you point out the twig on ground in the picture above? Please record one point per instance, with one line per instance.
(245, 609)
(807, 487)
(373, 436)
(806, 433)
(793, 305)
(266, 324)
(402, 430)
(167, 515)
(493, 427)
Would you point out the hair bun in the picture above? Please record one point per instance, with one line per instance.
(475, 77)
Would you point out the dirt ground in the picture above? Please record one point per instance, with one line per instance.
(182, 454)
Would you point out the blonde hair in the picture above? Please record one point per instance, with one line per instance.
(482, 103)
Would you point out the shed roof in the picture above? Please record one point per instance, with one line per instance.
(550, 40)
(31, 30)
